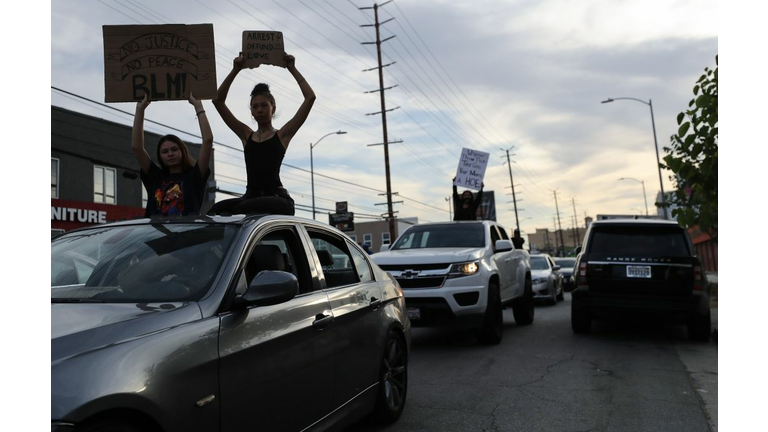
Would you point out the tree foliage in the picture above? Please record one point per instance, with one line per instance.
(692, 156)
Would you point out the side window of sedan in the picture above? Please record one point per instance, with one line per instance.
(335, 259)
(361, 265)
(278, 250)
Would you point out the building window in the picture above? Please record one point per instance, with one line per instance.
(104, 184)
(385, 238)
(353, 237)
(368, 239)
(54, 178)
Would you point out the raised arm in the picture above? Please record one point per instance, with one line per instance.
(137, 136)
(204, 157)
(479, 196)
(239, 128)
(289, 129)
(455, 192)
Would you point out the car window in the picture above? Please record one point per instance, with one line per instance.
(361, 265)
(639, 240)
(494, 236)
(442, 236)
(503, 233)
(335, 259)
(278, 250)
(138, 264)
(539, 263)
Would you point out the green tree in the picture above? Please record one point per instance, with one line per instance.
(692, 156)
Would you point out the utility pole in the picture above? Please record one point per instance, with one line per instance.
(512, 182)
(390, 213)
(558, 221)
(450, 204)
(557, 245)
(575, 222)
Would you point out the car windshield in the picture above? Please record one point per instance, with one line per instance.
(639, 240)
(460, 235)
(565, 263)
(138, 264)
(539, 263)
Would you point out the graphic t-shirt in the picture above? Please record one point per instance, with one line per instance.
(174, 194)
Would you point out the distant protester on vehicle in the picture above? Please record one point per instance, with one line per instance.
(465, 206)
(517, 240)
(177, 186)
(264, 149)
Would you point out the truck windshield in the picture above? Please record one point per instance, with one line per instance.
(460, 235)
(138, 264)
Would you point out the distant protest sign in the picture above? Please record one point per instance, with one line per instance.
(166, 61)
(471, 170)
(263, 47)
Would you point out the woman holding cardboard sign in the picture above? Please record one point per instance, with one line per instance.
(177, 186)
(465, 206)
(264, 148)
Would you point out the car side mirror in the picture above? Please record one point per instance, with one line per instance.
(556, 268)
(270, 288)
(503, 245)
(384, 248)
(578, 250)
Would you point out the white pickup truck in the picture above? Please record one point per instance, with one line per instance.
(461, 274)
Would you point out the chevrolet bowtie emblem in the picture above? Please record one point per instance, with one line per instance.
(409, 274)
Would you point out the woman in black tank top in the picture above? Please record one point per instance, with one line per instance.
(264, 148)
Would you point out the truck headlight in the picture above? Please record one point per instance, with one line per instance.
(464, 269)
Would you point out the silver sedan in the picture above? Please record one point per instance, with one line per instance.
(222, 323)
(546, 278)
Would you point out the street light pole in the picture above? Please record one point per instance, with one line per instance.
(645, 196)
(656, 144)
(312, 166)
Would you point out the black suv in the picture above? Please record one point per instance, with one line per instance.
(640, 266)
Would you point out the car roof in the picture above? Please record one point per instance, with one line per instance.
(200, 219)
(484, 222)
(635, 222)
(541, 255)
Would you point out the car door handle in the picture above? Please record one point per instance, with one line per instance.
(322, 320)
(375, 303)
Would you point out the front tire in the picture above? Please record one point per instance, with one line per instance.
(493, 328)
(393, 380)
(522, 307)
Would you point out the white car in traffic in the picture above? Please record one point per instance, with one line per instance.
(461, 274)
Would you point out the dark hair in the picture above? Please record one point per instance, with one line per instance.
(262, 89)
(186, 162)
(471, 195)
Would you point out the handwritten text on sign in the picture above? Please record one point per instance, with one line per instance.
(471, 170)
(263, 47)
(165, 61)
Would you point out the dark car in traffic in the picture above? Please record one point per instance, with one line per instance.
(222, 324)
(566, 269)
(640, 267)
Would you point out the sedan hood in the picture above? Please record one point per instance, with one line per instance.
(427, 256)
(539, 273)
(80, 327)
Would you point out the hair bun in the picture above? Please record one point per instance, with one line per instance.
(261, 88)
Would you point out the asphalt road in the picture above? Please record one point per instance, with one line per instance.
(635, 376)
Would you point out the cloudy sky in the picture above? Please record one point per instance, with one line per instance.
(486, 75)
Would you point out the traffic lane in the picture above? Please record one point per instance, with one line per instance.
(623, 376)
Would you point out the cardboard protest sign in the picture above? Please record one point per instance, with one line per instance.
(471, 169)
(166, 61)
(263, 47)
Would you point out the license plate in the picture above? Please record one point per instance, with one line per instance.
(414, 313)
(639, 272)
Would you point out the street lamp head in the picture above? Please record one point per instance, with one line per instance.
(341, 132)
(607, 100)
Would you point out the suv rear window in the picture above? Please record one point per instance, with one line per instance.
(639, 240)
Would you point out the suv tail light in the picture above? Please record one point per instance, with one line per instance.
(582, 276)
(699, 280)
